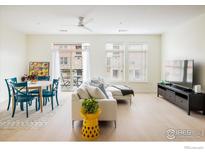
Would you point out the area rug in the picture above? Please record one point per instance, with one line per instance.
(35, 120)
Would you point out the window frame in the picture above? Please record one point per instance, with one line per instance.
(110, 78)
(65, 60)
(146, 80)
(61, 60)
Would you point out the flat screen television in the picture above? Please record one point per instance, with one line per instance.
(180, 72)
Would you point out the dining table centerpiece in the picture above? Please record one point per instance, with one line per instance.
(32, 78)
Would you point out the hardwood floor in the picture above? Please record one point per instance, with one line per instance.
(147, 119)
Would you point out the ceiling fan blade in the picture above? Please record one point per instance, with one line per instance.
(88, 21)
(68, 25)
(87, 29)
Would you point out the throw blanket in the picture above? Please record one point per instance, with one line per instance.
(124, 89)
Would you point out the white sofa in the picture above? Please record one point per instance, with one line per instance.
(117, 94)
(108, 107)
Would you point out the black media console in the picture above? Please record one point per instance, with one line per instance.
(184, 98)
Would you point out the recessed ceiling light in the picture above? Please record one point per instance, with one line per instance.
(63, 30)
(122, 30)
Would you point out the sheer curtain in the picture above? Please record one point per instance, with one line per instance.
(86, 62)
(55, 62)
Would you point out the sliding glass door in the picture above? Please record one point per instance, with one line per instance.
(73, 65)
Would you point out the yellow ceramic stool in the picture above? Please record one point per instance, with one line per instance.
(90, 129)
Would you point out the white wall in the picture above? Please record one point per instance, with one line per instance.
(13, 56)
(187, 42)
(39, 50)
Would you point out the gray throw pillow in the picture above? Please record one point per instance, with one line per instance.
(100, 86)
(95, 92)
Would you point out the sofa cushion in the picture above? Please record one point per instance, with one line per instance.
(82, 92)
(99, 85)
(95, 92)
(109, 95)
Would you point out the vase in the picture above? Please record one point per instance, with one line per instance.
(90, 130)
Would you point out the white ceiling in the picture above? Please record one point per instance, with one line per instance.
(105, 19)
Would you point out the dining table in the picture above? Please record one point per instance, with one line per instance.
(39, 85)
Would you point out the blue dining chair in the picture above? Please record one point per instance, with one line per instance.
(51, 93)
(22, 95)
(43, 78)
(14, 79)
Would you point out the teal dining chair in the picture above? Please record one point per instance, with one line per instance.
(22, 95)
(43, 78)
(14, 79)
(51, 93)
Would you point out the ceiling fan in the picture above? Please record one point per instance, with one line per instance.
(82, 23)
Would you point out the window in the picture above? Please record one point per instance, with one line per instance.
(115, 61)
(61, 60)
(137, 62)
(73, 65)
(65, 60)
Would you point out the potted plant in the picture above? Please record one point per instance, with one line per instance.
(90, 112)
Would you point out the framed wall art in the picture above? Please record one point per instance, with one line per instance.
(39, 68)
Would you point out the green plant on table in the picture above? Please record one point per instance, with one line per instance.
(90, 106)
